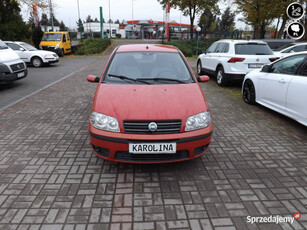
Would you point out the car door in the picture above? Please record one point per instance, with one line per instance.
(206, 59)
(22, 52)
(217, 54)
(273, 86)
(296, 104)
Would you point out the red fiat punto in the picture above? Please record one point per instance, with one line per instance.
(148, 107)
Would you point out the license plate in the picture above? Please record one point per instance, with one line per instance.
(255, 65)
(152, 148)
(20, 74)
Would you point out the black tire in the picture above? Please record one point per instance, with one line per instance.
(249, 95)
(199, 68)
(36, 62)
(61, 53)
(220, 77)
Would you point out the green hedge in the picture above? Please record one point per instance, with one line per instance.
(188, 48)
(93, 46)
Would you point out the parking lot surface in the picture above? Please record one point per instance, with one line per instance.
(51, 179)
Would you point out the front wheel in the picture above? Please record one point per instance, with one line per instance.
(61, 53)
(199, 68)
(249, 94)
(37, 62)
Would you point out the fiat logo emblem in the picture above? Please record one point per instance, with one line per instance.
(152, 126)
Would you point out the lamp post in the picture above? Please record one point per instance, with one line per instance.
(110, 29)
(198, 29)
(80, 27)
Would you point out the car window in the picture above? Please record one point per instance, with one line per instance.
(212, 48)
(253, 49)
(14, 46)
(287, 50)
(28, 47)
(226, 48)
(299, 48)
(142, 65)
(68, 38)
(288, 65)
(64, 38)
(220, 47)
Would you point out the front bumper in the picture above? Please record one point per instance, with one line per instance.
(9, 77)
(115, 146)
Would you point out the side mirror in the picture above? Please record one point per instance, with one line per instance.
(204, 51)
(21, 49)
(92, 78)
(203, 78)
(266, 68)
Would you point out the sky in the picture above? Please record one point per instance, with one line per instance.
(67, 10)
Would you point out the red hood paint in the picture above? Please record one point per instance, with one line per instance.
(149, 102)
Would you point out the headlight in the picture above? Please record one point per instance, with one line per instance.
(57, 46)
(104, 122)
(198, 121)
(48, 56)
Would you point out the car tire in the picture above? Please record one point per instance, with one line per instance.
(61, 53)
(220, 77)
(249, 95)
(37, 62)
(199, 68)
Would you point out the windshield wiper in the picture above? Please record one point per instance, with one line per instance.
(128, 78)
(163, 79)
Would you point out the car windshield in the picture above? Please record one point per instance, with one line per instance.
(147, 68)
(28, 46)
(253, 49)
(52, 37)
(2, 45)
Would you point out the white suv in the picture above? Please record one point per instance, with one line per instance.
(30, 54)
(231, 60)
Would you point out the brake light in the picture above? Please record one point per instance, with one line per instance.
(273, 59)
(235, 59)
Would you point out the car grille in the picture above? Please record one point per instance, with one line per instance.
(17, 67)
(126, 156)
(51, 48)
(141, 127)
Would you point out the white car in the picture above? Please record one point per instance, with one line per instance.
(30, 54)
(231, 60)
(280, 86)
(300, 47)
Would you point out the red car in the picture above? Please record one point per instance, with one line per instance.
(149, 108)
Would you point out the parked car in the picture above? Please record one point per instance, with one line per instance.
(296, 47)
(231, 60)
(59, 42)
(280, 86)
(275, 44)
(149, 108)
(31, 55)
(12, 68)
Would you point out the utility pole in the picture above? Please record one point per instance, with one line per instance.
(101, 23)
(51, 14)
(80, 28)
(110, 30)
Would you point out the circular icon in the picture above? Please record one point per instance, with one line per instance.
(295, 11)
(152, 126)
(295, 30)
(297, 215)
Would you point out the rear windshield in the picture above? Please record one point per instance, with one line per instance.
(52, 37)
(148, 68)
(253, 49)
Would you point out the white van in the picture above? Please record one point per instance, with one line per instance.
(12, 68)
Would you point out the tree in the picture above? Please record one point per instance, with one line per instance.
(206, 20)
(110, 21)
(80, 25)
(89, 19)
(44, 21)
(96, 20)
(117, 22)
(227, 20)
(12, 26)
(55, 21)
(62, 26)
(191, 8)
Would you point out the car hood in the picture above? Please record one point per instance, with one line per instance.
(150, 102)
(7, 55)
(43, 52)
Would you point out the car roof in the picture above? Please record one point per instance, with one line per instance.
(147, 48)
(241, 41)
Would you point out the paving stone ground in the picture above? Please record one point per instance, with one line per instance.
(50, 178)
